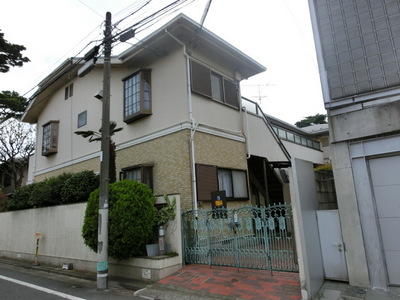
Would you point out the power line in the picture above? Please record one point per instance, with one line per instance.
(131, 14)
(151, 18)
(91, 8)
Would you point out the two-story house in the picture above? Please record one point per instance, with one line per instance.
(177, 96)
(186, 128)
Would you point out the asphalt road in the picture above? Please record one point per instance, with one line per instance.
(18, 283)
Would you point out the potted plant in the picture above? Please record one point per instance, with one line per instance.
(164, 213)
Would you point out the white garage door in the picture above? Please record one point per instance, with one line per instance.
(385, 175)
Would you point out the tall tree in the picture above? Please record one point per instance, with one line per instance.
(10, 55)
(95, 136)
(312, 120)
(17, 144)
(12, 105)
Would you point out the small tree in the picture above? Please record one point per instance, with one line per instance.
(131, 219)
(95, 136)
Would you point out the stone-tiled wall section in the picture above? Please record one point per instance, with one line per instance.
(170, 156)
(92, 164)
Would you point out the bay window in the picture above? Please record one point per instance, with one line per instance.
(137, 96)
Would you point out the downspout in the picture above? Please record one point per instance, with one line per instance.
(246, 132)
(193, 124)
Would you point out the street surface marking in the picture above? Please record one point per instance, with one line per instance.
(42, 289)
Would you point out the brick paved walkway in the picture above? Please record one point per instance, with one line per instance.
(245, 284)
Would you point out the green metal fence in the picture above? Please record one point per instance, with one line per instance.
(248, 237)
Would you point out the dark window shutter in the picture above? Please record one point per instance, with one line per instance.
(207, 181)
(231, 94)
(201, 79)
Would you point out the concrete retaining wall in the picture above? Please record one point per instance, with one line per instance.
(62, 242)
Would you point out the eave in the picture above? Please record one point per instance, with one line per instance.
(197, 39)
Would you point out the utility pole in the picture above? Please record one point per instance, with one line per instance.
(102, 246)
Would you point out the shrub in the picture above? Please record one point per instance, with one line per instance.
(48, 191)
(20, 199)
(62, 189)
(3, 201)
(324, 168)
(78, 187)
(41, 195)
(131, 219)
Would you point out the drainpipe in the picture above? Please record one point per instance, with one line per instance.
(193, 124)
(246, 132)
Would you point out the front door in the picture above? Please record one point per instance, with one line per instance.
(332, 245)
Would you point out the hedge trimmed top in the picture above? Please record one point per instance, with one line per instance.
(66, 188)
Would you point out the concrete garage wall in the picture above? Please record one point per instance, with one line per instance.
(62, 242)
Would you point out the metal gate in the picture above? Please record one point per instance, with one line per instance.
(248, 237)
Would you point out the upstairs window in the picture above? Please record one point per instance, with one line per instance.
(82, 119)
(211, 179)
(141, 173)
(213, 85)
(69, 91)
(137, 96)
(50, 138)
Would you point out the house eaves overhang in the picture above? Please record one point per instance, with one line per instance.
(197, 40)
(52, 83)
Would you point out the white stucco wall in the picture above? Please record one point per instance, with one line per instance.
(62, 242)
(304, 153)
(261, 142)
(59, 225)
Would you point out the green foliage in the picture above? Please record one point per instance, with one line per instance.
(78, 187)
(167, 212)
(3, 201)
(312, 120)
(20, 199)
(90, 223)
(95, 136)
(62, 189)
(10, 55)
(131, 219)
(48, 191)
(12, 105)
(324, 168)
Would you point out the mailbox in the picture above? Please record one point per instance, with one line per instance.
(218, 200)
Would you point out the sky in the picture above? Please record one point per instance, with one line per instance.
(275, 33)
